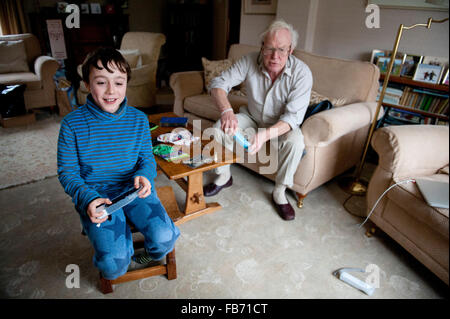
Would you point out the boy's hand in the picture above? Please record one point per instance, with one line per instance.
(92, 207)
(146, 186)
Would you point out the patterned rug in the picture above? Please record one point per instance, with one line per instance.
(28, 153)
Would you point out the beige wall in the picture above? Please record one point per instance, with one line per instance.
(337, 28)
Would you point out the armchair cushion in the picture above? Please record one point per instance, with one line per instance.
(133, 57)
(13, 57)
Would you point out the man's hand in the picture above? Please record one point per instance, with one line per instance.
(229, 122)
(257, 141)
(92, 207)
(146, 186)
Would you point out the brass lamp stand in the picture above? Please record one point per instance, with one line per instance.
(355, 185)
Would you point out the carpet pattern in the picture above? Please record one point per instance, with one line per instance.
(28, 153)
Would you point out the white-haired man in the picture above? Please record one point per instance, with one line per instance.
(278, 89)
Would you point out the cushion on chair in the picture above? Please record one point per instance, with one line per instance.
(13, 57)
(133, 57)
(212, 69)
(316, 98)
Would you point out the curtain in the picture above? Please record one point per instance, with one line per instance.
(12, 17)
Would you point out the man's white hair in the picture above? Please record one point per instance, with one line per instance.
(280, 24)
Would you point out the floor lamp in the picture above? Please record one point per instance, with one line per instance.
(354, 184)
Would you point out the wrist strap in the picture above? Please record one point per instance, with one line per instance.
(227, 110)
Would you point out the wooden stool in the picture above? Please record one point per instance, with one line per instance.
(167, 198)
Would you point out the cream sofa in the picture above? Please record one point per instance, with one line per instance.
(141, 90)
(334, 138)
(38, 77)
(405, 152)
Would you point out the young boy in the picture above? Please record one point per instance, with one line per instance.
(104, 149)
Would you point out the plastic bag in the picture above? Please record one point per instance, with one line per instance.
(65, 97)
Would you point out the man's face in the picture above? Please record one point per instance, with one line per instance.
(107, 89)
(276, 50)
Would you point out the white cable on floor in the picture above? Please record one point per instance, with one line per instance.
(387, 190)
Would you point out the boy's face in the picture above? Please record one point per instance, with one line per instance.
(107, 89)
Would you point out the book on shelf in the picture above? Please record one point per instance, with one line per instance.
(421, 99)
(391, 95)
(405, 116)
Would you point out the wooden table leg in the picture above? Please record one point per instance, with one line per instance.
(195, 200)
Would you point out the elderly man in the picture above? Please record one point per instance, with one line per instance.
(278, 89)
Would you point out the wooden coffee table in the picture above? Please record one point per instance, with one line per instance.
(190, 179)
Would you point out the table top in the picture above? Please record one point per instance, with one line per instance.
(176, 170)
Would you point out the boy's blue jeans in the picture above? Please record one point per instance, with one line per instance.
(113, 243)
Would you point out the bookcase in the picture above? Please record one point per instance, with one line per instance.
(412, 102)
(188, 28)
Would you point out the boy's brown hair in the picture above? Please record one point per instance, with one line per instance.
(106, 56)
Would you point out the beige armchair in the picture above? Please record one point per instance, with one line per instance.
(37, 73)
(407, 152)
(334, 139)
(141, 90)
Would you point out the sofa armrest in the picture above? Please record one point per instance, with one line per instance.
(45, 68)
(327, 126)
(185, 84)
(412, 150)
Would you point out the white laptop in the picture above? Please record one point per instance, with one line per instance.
(436, 193)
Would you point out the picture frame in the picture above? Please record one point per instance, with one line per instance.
(84, 8)
(410, 64)
(435, 60)
(267, 7)
(398, 55)
(410, 4)
(61, 6)
(428, 73)
(445, 78)
(96, 8)
(376, 54)
(383, 64)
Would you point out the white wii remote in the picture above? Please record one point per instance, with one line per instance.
(353, 281)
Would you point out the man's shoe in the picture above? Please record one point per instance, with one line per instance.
(285, 210)
(212, 189)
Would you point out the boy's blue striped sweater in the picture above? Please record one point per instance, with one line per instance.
(100, 152)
